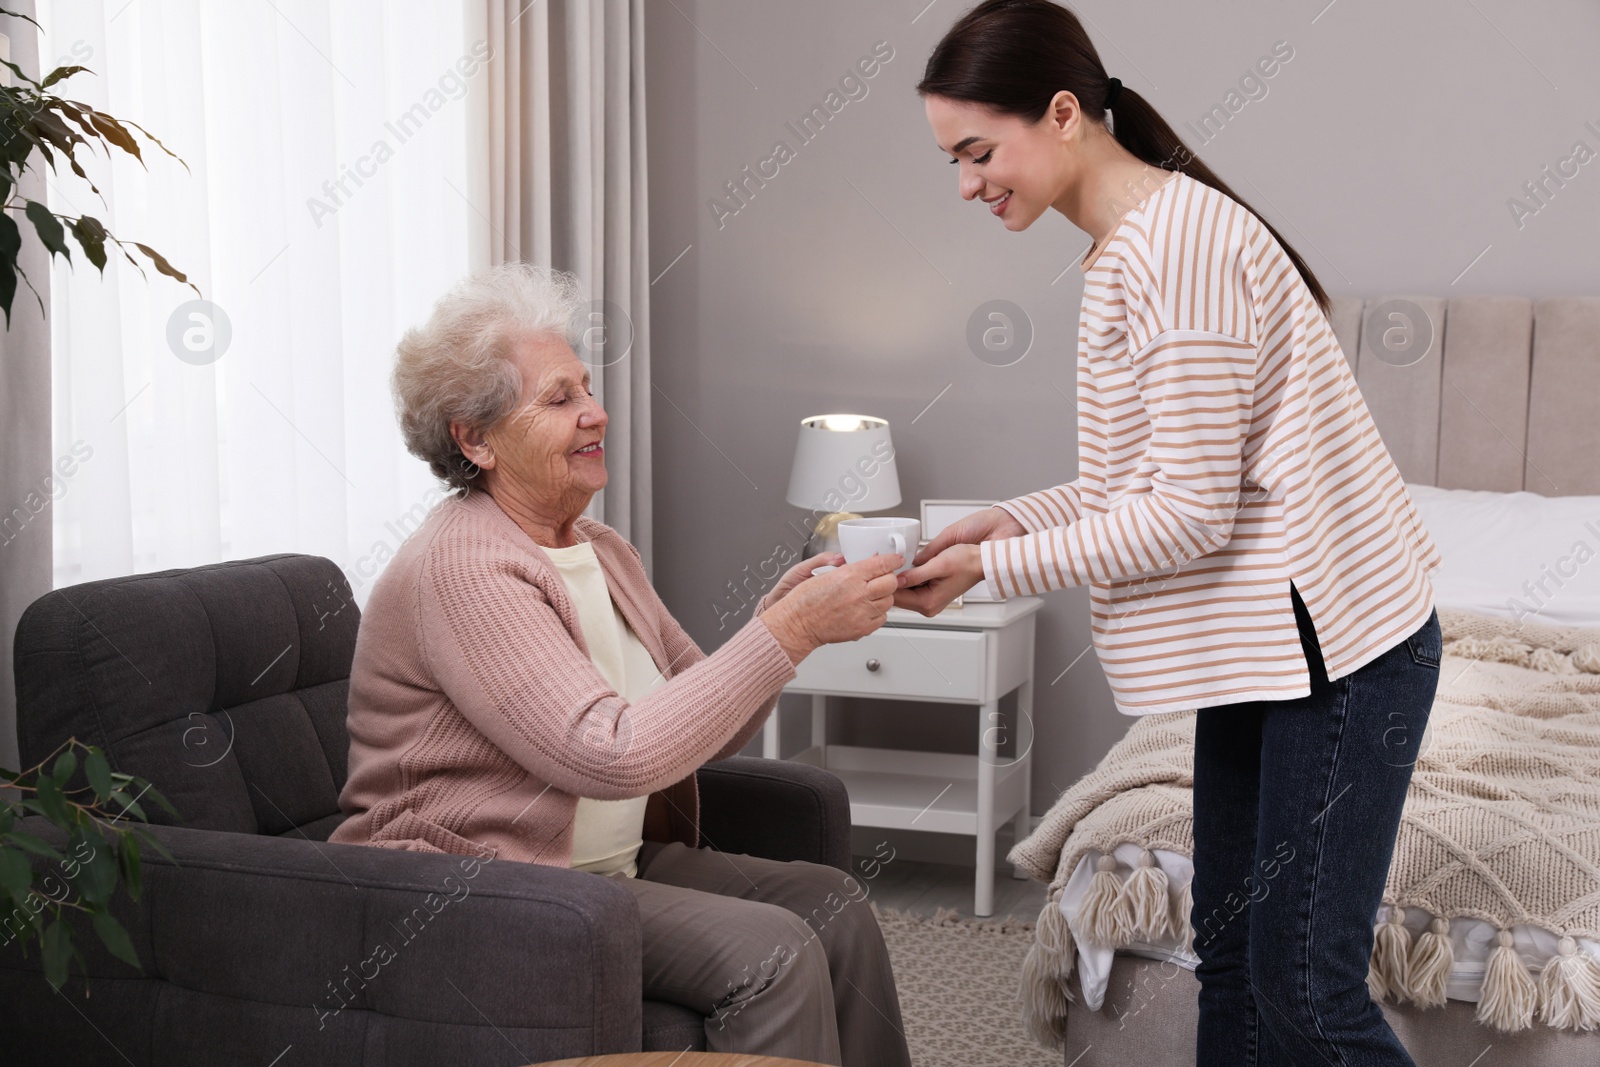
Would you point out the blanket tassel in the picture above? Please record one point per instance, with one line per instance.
(1509, 995)
(1043, 985)
(1179, 919)
(1431, 959)
(1145, 899)
(1389, 973)
(1103, 917)
(1053, 935)
(1569, 989)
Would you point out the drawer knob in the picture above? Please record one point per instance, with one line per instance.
(873, 665)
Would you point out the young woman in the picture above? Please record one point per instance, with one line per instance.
(1248, 543)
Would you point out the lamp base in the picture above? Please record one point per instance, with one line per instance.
(825, 534)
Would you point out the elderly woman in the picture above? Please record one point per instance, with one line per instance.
(518, 686)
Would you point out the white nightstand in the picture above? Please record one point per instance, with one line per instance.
(974, 654)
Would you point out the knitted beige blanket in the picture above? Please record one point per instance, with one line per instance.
(1502, 823)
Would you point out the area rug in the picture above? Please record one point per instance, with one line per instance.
(957, 979)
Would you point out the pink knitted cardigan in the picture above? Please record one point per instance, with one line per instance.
(477, 719)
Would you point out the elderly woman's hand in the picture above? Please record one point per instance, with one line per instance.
(799, 573)
(841, 605)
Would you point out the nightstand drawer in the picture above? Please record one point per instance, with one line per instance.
(899, 662)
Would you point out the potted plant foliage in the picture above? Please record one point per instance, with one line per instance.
(74, 788)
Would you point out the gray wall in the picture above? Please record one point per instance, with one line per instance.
(1386, 150)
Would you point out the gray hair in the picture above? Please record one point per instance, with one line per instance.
(455, 366)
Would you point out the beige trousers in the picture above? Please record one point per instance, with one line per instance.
(783, 959)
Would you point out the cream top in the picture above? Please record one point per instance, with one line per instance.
(606, 834)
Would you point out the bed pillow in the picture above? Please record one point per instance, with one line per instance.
(1515, 555)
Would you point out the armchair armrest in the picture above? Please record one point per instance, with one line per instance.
(351, 954)
(777, 809)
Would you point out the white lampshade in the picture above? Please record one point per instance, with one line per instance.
(844, 463)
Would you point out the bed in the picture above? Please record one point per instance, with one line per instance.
(1489, 938)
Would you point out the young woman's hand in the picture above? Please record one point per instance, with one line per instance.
(841, 605)
(990, 524)
(929, 588)
(799, 573)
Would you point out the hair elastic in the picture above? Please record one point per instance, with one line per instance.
(1113, 90)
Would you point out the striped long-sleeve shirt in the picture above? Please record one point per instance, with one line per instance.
(1224, 451)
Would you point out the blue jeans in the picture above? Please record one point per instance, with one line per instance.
(1296, 806)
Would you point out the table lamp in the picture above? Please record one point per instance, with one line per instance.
(842, 462)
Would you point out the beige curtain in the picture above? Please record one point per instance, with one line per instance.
(559, 153)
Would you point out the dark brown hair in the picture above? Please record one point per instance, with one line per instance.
(1014, 56)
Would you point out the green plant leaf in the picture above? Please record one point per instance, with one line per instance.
(59, 73)
(50, 128)
(10, 242)
(155, 794)
(116, 939)
(29, 843)
(52, 803)
(97, 875)
(160, 261)
(10, 245)
(79, 171)
(55, 949)
(153, 139)
(147, 840)
(95, 767)
(17, 146)
(50, 232)
(80, 113)
(15, 141)
(116, 133)
(18, 71)
(129, 806)
(44, 149)
(66, 766)
(129, 863)
(19, 15)
(36, 295)
(16, 874)
(35, 927)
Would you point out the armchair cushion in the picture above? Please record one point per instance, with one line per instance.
(777, 809)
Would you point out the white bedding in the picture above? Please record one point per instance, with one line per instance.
(1515, 555)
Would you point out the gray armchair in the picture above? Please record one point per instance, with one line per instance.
(225, 686)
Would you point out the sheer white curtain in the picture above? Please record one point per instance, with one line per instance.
(326, 205)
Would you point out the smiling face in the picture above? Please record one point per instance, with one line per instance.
(1018, 168)
(547, 453)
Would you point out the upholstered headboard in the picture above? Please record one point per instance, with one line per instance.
(1507, 396)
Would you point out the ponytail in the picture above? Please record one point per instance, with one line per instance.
(1014, 56)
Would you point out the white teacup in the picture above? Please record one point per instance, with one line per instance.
(861, 539)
